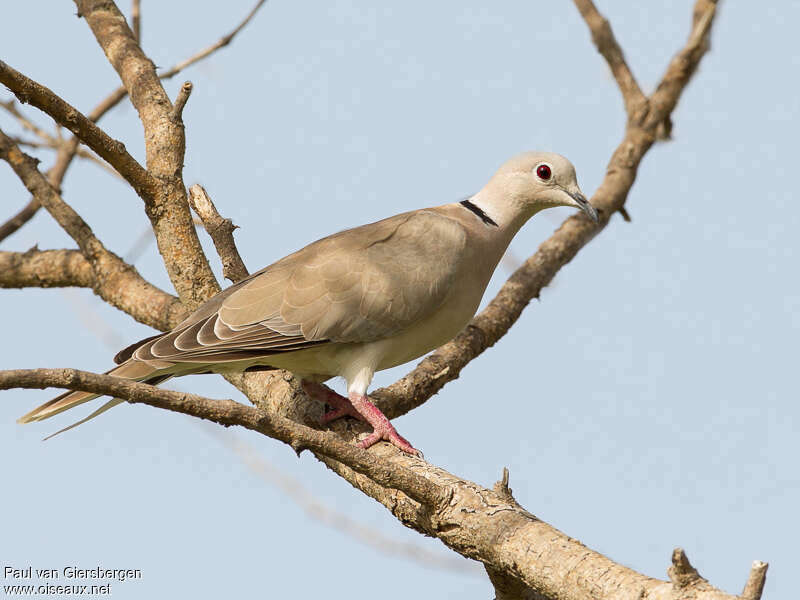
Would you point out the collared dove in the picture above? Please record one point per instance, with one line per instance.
(356, 302)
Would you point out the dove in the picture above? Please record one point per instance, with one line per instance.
(356, 302)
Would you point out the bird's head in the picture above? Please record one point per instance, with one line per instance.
(537, 180)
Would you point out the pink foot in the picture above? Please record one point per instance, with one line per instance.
(382, 428)
(342, 407)
(360, 407)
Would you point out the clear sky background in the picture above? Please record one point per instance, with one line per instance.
(648, 401)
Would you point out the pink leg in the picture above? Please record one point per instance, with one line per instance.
(383, 429)
(342, 407)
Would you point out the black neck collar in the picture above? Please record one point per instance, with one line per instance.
(473, 208)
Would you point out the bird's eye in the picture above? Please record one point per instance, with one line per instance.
(543, 172)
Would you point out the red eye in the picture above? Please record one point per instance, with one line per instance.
(543, 171)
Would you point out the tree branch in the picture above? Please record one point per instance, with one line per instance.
(45, 268)
(111, 150)
(165, 144)
(607, 45)
(136, 20)
(474, 521)
(221, 43)
(227, 413)
(176, 114)
(114, 280)
(18, 220)
(221, 232)
(527, 282)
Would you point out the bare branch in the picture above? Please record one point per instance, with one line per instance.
(136, 20)
(609, 48)
(11, 108)
(683, 65)
(83, 153)
(511, 588)
(176, 115)
(314, 509)
(26, 169)
(45, 268)
(681, 572)
(471, 520)
(19, 219)
(755, 582)
(112, 100)
(111, 150)
(117, 95)
(227, 413)
(446, 363)
(114, 280)
(221, 43)
(221, 232)
(165, 146)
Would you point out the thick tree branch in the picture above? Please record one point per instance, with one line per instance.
(165, 146)
(221, 232)
(111, 150)
(45, 268)
(227, 413)
(474, 521)
(114, 280)
(121, 287)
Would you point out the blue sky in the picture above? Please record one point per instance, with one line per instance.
(647, 401)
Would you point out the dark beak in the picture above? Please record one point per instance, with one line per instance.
(584, 205)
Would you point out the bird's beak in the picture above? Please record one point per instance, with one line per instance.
(582, 203)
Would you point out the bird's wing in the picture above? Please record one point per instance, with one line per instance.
(359, 285)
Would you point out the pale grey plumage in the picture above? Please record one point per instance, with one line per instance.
(360, 300)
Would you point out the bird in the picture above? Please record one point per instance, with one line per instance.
(355, 302)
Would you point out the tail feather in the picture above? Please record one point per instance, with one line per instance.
(110, 404)
(138, 371)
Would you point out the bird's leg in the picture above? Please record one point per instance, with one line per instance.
(382, 428)
(341, 406)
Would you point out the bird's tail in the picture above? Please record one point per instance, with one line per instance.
(135, 370)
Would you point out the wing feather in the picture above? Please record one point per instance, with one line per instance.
(359, 285)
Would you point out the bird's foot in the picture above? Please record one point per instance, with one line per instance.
(341, 406)
(382, 428)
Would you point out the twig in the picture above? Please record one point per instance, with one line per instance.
(755, 581)
(83, 153)
(609, 48)
(221, 232)
(112, 151)
(221, 43)
(136, 20)
(11, 108)
(681, 572)
(19, 219)
(176, 115)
